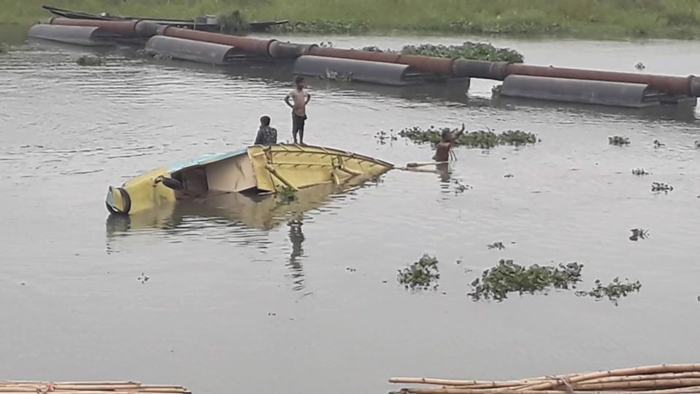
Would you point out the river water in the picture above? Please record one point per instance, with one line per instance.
(304, 299)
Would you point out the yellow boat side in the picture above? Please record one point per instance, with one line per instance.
(141, 193)
(300, 166)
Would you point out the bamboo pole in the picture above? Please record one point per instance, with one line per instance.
(622, 372)
(645, 377)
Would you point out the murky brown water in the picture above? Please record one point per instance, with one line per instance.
(306, 301)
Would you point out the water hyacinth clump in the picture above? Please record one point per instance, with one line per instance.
(468, 50)
(639, 233)
(508, 277)
(382, 137)
(640, 172)
(421, 275)
(613, 291)
(496, 245)
(473, 139)
(618, 140)
(661, 187)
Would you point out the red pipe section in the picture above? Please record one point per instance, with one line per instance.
(245, 44)
(421, 63)
(127, 28)
(681, 86)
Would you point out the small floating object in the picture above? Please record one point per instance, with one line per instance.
(667, 378)
(640, 66)
(253, 170)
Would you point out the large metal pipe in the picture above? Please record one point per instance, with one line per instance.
(682, 86)
(424, 64)
(126, 28)
(616, 94)
(245, 44)
(76, 35)
(195, 51)
(357, 70)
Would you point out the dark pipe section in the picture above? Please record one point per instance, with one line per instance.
(76, 35)
(125, 28)
(245, 44)
(615, 94)
(357, 70)
(288, 50)
(196, 51)
(479, 69)
(423, 64)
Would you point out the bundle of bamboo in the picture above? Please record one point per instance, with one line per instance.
(19, 387)
(656, 379)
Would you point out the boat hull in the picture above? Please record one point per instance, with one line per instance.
(255, 170)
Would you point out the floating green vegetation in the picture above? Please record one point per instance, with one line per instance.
(90, 61)
(467, 50)
(383, 137)
(474, 139)
(618, 140)
(233, 22)
(661, 187)
(639, 233)
(324, 26)
(508, 277)
(613, 291)
(286, 195)
(421, 275)
(460, 187)
(496, 245)
(640, 172)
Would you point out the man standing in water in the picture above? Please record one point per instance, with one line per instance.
(299, 98)
(442, 151)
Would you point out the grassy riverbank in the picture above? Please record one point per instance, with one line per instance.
(568, 18)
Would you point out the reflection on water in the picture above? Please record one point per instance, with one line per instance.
(296, 237)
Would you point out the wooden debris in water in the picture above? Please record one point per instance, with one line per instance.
(656, 379)
(17, 387)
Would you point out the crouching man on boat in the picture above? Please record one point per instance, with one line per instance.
(266, 135)
(443, 150)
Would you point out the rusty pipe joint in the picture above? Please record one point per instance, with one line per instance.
(694, 85)
(146, 28)
(479, 69)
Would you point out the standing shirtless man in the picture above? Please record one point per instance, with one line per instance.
(299, 98)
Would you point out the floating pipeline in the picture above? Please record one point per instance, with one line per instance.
(461, 68)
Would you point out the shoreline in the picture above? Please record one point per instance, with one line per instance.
(528, 19)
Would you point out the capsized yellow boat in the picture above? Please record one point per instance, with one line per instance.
(256, 169)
